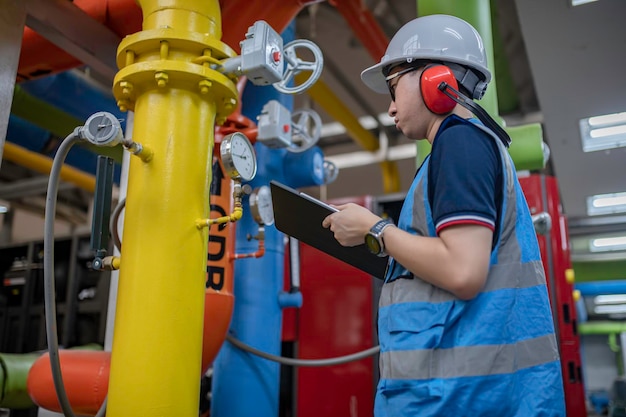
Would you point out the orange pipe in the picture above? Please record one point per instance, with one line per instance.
(219, 298)
(85, 375)
(364, 26)
(40, 57)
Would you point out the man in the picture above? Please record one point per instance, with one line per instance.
(465, 325)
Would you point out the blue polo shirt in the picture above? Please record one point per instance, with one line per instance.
(465, 176)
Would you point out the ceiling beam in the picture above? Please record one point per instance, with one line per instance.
(28, 187)
(77, 33)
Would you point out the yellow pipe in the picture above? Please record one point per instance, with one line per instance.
(157, 344)
(42, 164)
(325, 97)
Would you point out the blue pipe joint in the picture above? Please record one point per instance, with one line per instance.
(304, 169)
(290, 299)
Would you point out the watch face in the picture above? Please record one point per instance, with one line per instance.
(372, 244)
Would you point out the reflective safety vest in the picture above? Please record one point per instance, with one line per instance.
(495, 355)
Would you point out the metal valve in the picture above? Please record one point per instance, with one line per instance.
(278, 128)
(263, 60)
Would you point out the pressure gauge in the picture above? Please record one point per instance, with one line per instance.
(261, 205)
(238, 156)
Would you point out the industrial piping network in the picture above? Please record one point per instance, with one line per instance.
(126, 94)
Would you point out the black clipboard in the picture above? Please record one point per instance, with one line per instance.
(300, 216)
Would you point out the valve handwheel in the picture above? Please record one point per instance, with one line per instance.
(306, 128)
(295, 65)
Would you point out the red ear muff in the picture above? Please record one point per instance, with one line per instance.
(435, 99)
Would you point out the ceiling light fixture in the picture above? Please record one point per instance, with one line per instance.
(606, 204)
(606, 244)
(579, 2)
(603, 132)
(610, 299)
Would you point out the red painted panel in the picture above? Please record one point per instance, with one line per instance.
(336, 319)
(542, 195)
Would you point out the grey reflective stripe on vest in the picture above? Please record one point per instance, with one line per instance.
(419, 210)
(524, 275)
(467, 361)
(507, 253)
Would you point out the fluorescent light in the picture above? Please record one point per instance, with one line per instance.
(610, 309)
(606, 204)
(579, 2)
(3, 209)
(608, 244)
(610, 299)
(608, 119)
(603, 132)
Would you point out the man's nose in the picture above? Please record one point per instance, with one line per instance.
(392, 109)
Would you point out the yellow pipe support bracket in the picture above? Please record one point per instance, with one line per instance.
(157, 348)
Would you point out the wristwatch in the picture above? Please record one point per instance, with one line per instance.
(374, 238)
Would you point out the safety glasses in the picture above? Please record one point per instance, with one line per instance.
(397, 75)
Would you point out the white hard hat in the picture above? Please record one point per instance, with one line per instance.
(435, 38)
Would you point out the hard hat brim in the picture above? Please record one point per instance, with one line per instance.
(374, 78)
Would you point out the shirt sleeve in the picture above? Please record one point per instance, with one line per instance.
(464, 177)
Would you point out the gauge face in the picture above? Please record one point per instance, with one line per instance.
(238, 156)
(261, 205)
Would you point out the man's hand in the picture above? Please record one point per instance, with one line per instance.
(350, 224)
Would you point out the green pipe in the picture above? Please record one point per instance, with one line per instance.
(613, 345)
(54, 120)
(602, 327)
(13, 375)
(526, 146)
(527, 141)
(478, 14)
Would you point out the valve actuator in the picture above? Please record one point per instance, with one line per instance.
(274, 125)
(279, 128)
(261, 58)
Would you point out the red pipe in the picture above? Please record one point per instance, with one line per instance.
(364, 25)
(40, 57)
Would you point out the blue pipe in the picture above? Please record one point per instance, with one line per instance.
(74, 94)
(243, 384)
(601, 287)
(36, 139)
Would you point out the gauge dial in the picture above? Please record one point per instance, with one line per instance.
(261, 206)
(238, 156)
